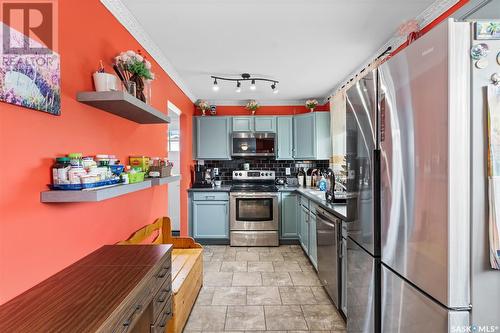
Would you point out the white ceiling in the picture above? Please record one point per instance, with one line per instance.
(308, 45)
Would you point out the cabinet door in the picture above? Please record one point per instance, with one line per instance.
(243, 124)
(313, 246)
(289, 216)
(212, 138)
(304, 142)
(304, 228)
(284, 138)
(265, 124)
(210, 219)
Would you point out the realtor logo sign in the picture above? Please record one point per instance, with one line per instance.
(36, 20)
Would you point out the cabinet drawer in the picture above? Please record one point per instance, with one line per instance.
(161, 322)
(210, 196)
(312, 207)
(162, 297)
(304, 201)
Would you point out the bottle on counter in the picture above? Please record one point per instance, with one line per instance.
(301, 176)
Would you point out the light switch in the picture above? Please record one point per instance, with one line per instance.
(287, 172)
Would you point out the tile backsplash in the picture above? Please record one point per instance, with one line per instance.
(227, 167)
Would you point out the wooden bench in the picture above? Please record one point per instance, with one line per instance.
(187, 267)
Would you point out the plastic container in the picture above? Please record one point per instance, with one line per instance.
(75, 159)
(136, 177)
(60, 171)
(116, 169)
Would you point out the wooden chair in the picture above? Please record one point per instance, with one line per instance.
(187, 267)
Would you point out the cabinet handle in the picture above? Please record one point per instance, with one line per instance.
(164, 317)
(163, 295)
(210, 197)
(129, 320)
(163, 272)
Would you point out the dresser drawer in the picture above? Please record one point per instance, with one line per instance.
(161, 322)
(162, 297)
(210, 196)
(304, 201)
(162, 274)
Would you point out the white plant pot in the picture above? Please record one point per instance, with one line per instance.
(105, 82)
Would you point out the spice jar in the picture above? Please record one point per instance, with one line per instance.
(60, 171)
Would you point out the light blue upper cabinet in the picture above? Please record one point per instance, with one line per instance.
(265, 124)
(212, 138)
(311, 136)
(243, 124)
(289, 215)
(284, 138)
(303, 136)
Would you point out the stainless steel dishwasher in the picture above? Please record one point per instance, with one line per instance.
(329, 240)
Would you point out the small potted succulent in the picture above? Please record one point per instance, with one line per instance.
(252, 106)
(134, 67)
(311, 104)
(203, 106)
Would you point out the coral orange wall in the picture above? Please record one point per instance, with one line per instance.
(266, 110)
(37, 240)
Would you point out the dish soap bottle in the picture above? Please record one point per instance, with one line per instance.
(322, 184)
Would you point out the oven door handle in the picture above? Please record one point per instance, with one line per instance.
(260, 195)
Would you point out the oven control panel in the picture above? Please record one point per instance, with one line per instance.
(254, 174)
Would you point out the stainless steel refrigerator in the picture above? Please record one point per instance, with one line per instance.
(363, 231)
(425, 183)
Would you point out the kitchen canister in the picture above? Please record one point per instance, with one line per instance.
(105, 82)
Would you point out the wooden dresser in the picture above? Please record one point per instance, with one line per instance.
(117, 288)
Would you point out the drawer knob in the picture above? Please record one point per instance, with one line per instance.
(163, 294)
(129, 320)
(163, 272)
(164, 318)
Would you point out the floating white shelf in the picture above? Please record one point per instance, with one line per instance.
(100, 194)
(124, 105)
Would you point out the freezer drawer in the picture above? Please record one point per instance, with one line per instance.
(406, 309)
(360, 289)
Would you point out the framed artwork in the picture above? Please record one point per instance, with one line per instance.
(29, 79)
(488, 30)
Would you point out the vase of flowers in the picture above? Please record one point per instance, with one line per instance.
(203, 106)
(252, 106)
(134, 67)
(311, 104)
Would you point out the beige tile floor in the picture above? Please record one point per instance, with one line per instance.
(261, 289)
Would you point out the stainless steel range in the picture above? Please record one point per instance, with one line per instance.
(254, 213)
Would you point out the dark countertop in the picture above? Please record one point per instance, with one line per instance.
(340, 210)
(223, 188)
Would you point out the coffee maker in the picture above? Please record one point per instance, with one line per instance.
(202, 177)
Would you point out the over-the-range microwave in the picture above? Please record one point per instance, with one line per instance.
(253, 144)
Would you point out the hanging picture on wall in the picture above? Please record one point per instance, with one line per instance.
(29, 77)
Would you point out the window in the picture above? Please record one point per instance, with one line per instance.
(173, 140)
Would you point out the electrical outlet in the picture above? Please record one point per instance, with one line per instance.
(216, 171)
(287, 172)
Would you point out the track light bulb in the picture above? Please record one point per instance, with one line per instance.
(253, 86)
(274, 88)
(238, 87)
(215, 87)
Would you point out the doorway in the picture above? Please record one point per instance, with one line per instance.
(173, 147)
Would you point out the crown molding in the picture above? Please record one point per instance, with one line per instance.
(283, 102)
(431, 13)
(127, 19)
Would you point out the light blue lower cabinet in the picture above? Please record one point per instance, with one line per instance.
(210, 219)
(304, 229)
(289, 228)
(313, 245)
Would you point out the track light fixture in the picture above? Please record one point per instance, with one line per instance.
(253, 86)
(215, 87)
(245, 77)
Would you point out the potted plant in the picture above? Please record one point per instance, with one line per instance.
(311, 104)
(252, 106)
(134, 67)
(203, 106)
